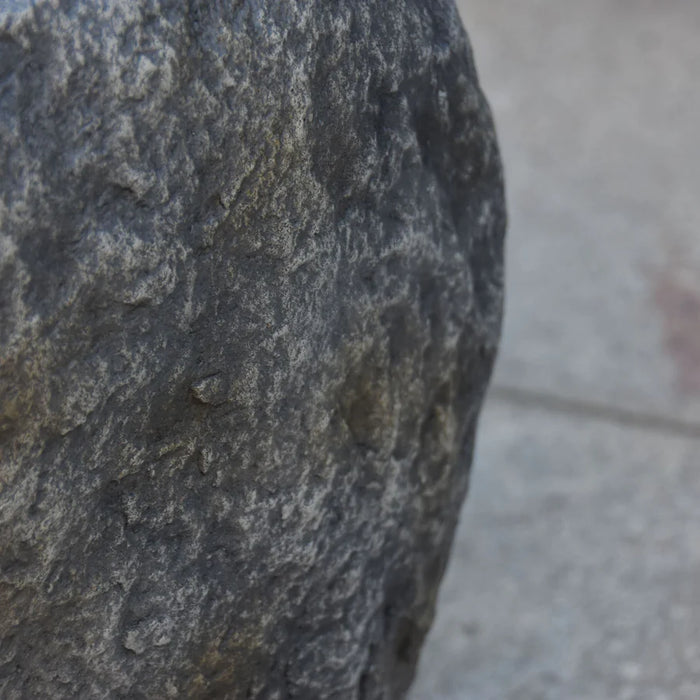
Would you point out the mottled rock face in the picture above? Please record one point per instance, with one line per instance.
(250, 295)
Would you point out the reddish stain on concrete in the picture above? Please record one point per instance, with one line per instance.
(679, 303)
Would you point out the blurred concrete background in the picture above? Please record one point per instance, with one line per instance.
(576, 568)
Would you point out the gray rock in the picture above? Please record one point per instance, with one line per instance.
(250, 286)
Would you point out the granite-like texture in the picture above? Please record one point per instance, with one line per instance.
(250, 295)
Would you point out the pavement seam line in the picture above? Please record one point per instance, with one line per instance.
(555, 403)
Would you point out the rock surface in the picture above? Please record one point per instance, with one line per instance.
(250, 295)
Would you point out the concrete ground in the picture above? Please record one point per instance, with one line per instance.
(576, 568)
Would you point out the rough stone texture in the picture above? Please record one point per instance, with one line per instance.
(250, 279)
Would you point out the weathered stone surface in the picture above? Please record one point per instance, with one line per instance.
(250, 279)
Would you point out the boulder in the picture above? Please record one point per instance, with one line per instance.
(250, 297)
